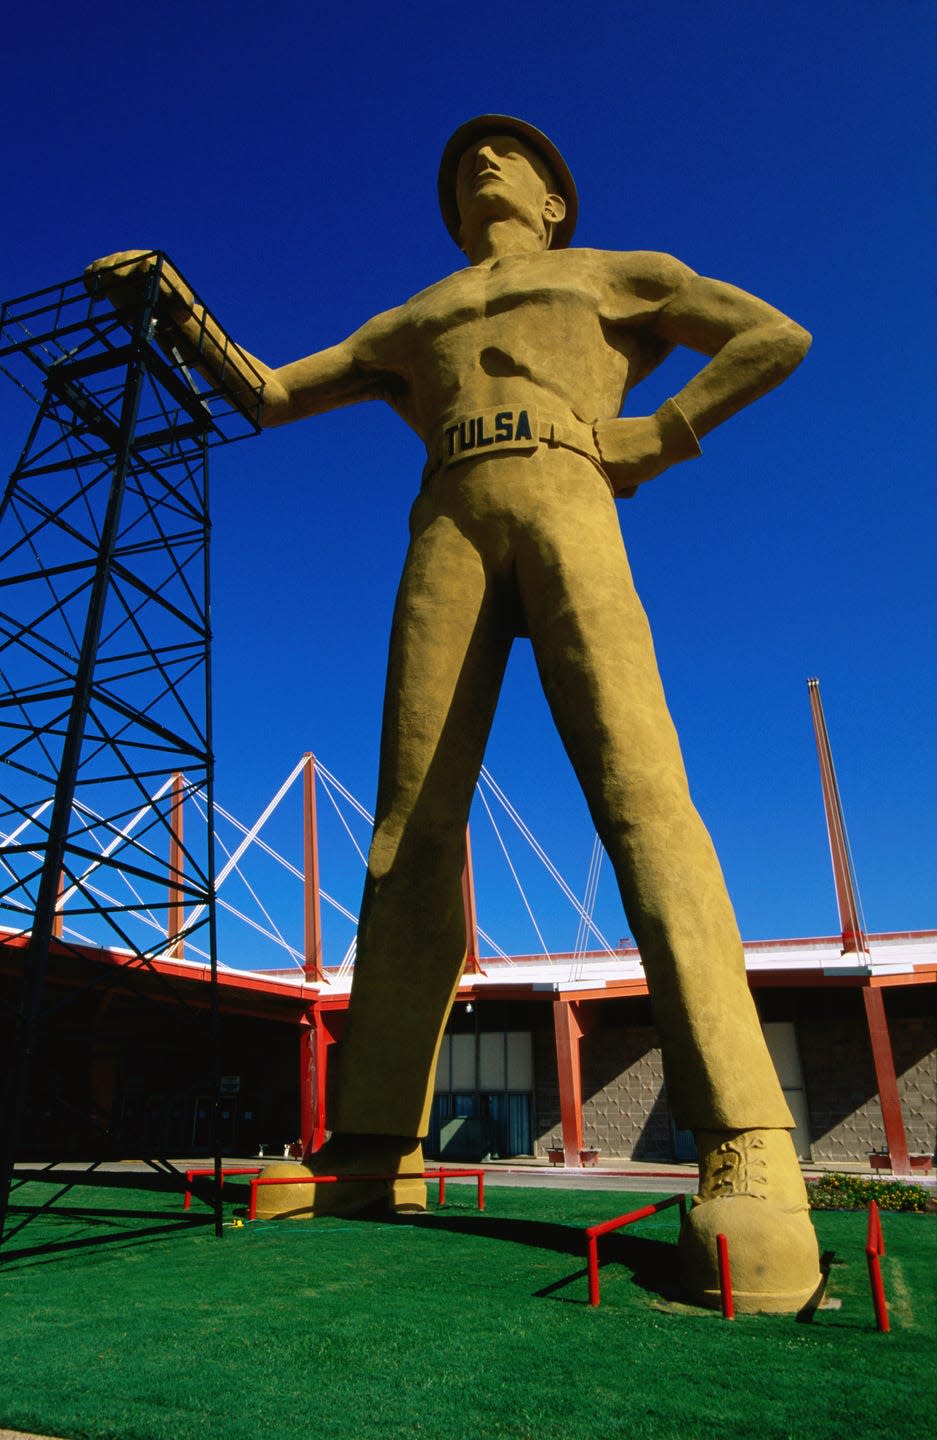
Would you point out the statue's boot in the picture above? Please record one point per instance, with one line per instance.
(398, 1157)
(751, 1191)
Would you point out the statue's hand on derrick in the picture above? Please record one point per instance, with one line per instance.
(635, 449)
(121, 278)
(184, 328)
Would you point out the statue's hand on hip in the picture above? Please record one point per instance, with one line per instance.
(634, 449)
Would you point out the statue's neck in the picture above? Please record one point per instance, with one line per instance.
(499, 238)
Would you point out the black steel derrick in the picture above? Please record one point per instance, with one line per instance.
(105, 648)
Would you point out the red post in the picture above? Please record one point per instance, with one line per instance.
(174, 915)
(58, 920)
(312, 961)
(307, 1083)
(568, 1034)
(481, 1190)
(605, 1227)
(886, 1080)
(592, 1256)
(725, 1278)
(472, 965)
(315, 1041)
(442, 1186)
(874, 1247)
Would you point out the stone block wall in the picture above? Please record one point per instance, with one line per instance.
(845, 1115)
(624, 1110)
(624, 1098)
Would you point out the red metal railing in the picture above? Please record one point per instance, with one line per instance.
(210, 1170)
(874, 1247)
(441, 1175)
(593, 1232)
(725, 1278)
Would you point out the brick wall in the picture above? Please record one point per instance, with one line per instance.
(624, 1109)
(624, 1098)
(845, 1115)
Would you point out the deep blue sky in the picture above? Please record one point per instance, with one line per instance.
(287, 163)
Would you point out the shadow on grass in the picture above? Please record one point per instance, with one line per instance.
(60, 1249)
(653, 1263)
(62, 1183)
(162, 1178)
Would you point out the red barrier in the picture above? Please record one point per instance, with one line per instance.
(444, 1175)
(210, 1170)
(725, 1278)
(593, 1232)
(441, 1175)
(874, 1247)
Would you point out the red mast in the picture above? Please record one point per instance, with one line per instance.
(847, 895)
(855, 941)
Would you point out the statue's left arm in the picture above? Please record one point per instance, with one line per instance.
(753, 347)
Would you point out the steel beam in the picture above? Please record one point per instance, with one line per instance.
(568, 1033)
(312, 907)
(896, 1140)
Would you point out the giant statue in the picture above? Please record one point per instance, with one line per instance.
(514, 371)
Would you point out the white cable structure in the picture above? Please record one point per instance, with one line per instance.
(325, 785)
(588, 904)
(249, 837)
(504, 848)
(267, 926)
(275, 855)
(544, 859)
(276, 933)
(345, 794)
(108, 850)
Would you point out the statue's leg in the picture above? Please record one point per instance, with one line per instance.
(449, 646)
(597, 662)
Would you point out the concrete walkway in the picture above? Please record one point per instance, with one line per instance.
(611, 1173)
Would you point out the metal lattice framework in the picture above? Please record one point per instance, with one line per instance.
(104, 627)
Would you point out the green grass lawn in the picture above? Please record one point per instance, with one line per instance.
(121, 1317)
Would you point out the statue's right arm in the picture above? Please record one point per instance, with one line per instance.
(340, 375)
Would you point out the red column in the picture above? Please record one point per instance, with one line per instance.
(58, 923)
(886, 1080)
(174, 914)
(568, 1033)
(312, 913)
(315, 1040)
(307, 1084)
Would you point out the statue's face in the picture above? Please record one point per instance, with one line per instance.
(499, 176)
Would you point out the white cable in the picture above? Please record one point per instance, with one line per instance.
(249, 837)
(198, 795)
(345, 794)
(30, 819)
(348, 959)
(324, 784)
(542, 856)
(257, 901)
(543, 945)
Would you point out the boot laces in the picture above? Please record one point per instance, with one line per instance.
(740, 1171)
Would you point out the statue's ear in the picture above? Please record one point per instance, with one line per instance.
(554, 209)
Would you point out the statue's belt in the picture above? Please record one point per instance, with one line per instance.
(514, 430)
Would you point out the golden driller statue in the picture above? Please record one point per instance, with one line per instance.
(513, 371)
